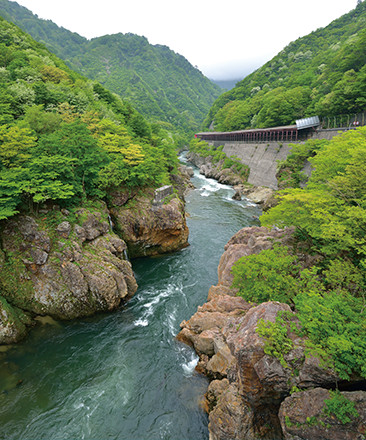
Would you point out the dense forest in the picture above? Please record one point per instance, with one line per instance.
(323, 74)
(65, 138)
(160, 84)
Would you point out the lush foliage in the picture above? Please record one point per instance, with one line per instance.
(64, 138)
(217, 155)
(268, 276)
(341, 407)
(290, 171)
(330, 211)
(159, 83)
(275, 334)
(330, 219)
(322, 73)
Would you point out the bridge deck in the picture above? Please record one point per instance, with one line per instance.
(287, 133)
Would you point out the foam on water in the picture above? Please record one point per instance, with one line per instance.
(141, 322)
(189, 366)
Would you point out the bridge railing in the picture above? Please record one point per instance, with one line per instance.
(344, 121)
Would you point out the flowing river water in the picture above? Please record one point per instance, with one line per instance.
(123, 375)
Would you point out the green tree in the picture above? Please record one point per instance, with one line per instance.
(267, 276)
(74, 140)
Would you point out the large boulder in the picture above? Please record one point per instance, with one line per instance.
(152, 228)
(68, 268)
(304, 416)
(13, 323)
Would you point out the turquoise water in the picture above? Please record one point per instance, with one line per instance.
(123, 375)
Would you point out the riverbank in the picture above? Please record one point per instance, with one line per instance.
(70, 264)
(254, 393)
(260, 195)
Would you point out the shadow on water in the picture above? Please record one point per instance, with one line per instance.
(123, 375)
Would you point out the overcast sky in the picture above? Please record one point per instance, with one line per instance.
(225, 39)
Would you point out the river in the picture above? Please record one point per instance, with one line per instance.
(123, 375)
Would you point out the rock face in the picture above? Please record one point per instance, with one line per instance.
(303, 416)
(215, 171)
(248, 386)
(68, 270)
(152, 228)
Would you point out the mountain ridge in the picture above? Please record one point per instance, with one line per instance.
(159, 83)
(321, 73)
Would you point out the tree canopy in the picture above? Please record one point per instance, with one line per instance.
(161, 84)
(64, 138)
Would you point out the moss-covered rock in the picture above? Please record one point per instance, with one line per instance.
(13, 323)
(66, 266)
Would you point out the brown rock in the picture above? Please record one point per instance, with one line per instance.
(215, 389)
(303, 417)
(247, 346)
(230, 418)
(221, 362)
(152, 230)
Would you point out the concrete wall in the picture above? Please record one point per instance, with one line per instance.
(328, 133)
(261, 159)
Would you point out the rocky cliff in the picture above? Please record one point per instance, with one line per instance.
(252, 394)
(63, 265)
(73, 264)
(151, 225)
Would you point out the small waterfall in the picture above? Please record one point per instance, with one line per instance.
(110, 222)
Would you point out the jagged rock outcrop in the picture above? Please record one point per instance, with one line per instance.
(248, 385)
(151, 228)
(215, 171)
(67, 269)
(304, 416)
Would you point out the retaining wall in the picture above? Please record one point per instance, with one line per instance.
(262, 158)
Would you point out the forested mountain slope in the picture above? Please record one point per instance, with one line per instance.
(322, 73)
(65, 138)
(160, 84)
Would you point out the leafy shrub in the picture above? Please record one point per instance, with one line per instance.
(275, 334)
(267, 276)
(341, 407)
(334, 323)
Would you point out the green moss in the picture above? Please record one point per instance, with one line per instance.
(341, 407)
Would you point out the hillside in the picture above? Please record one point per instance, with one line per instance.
(322, 73)
(160, 84)
(64, 138)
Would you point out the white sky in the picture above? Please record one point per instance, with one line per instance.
(225, 39)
